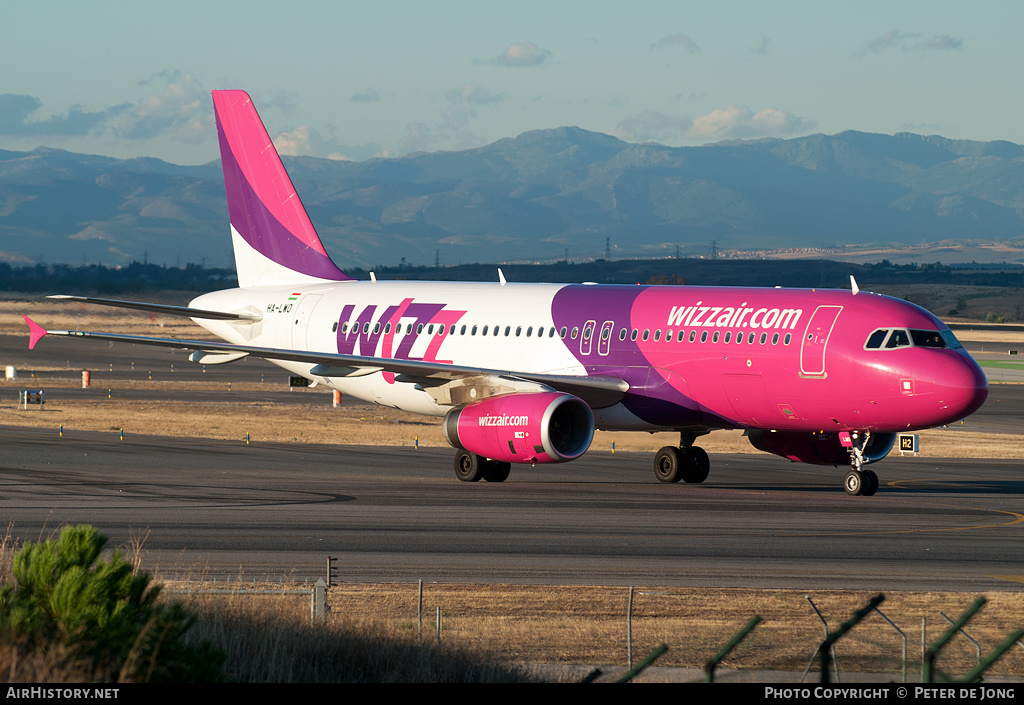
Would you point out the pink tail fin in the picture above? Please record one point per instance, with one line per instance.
(274, 240)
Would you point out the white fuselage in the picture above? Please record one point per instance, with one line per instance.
(488, 325)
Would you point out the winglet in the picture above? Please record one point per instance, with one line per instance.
(853, 285)
(35, 332)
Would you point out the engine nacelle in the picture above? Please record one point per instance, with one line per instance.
(818, 448)
(536, 427)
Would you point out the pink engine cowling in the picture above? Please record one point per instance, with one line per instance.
(539, 427)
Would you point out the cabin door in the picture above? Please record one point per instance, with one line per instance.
(812, 349)
(300, 321)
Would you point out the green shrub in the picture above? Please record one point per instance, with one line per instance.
(110, 616)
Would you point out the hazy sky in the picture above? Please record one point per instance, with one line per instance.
(354, 80)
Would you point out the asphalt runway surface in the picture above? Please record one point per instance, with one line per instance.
(275, 512)
(205, 508)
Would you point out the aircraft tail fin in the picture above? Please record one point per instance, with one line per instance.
(273, 239)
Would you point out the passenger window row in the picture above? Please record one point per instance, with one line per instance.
(728, 337)
(440, 329)
(494, 331)
(880, 339)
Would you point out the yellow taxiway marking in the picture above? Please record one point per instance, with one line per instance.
(1017, 520)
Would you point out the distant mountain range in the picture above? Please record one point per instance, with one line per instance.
(540, 196)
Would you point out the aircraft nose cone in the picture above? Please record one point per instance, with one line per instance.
(960, 387)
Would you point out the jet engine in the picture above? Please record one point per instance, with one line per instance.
(818, 448)
(536, 427)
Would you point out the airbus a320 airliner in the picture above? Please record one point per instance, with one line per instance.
(524, 373)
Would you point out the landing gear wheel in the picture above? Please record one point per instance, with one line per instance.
(668, 464)
(698, 466)
(496, 471)
(691, 465)
(855, 483)
(870, 482)
(469, 467)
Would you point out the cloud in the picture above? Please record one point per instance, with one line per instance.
(283, 99)
(682, 40)
(419, 138)
(521, 54)
(910, 41)
(370, 95)
(305, 141)
(16, 111)
(943, 42)
(300, 142)
(181, 109)
(450, 131)
(651, 126)
(741, 122)
(464, 101)
(891, 39)
(473, 94)
(15, 258)
(733, 122)
(176, 105)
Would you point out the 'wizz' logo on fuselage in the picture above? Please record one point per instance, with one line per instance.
(370, 335)
(733, 317)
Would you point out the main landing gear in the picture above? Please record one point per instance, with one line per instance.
(859, 481)
(688, 462)
(470, 467)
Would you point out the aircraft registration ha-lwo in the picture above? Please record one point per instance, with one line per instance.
(525, 373)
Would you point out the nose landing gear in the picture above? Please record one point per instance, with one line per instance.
(859, 481)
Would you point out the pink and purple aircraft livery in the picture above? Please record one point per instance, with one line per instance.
(524, 373)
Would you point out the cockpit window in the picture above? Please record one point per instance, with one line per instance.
(892, 338)
(950, 339)
(927, 339)
(875, 339)
(899, 338)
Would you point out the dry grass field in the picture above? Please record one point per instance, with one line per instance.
(504, 633)
(587, 625)
(972, 303)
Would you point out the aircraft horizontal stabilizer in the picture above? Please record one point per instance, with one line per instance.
(163, 308)
(36, 332)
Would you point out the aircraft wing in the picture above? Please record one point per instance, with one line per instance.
(162, 308)
(596, 391)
